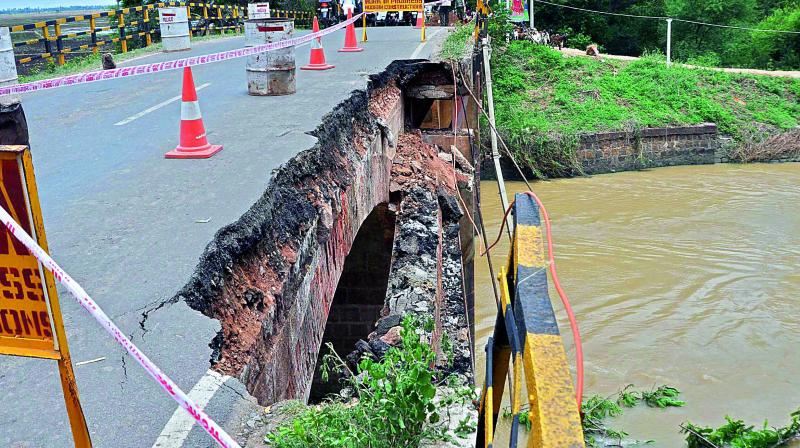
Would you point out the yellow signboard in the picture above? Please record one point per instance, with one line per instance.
(25, 316)
(30, 317)
(392, 5)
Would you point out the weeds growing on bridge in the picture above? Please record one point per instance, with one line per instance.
(458, 43)
(394, 402)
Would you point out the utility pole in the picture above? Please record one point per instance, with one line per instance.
(669, 42)
(530, 14)
(495, 153)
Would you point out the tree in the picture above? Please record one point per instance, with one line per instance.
(769, 50)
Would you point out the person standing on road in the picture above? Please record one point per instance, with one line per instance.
(444, 13)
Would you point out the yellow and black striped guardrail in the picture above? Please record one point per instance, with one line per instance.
(53, 38)
(526, 338)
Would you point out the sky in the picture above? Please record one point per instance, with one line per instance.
(5, 4)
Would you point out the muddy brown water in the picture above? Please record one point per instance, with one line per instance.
(687, 276)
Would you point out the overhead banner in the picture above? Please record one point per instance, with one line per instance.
(392, 5)
(26, 323)
(517, 11)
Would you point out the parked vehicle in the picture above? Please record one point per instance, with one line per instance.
(395, 18)
(326, 13)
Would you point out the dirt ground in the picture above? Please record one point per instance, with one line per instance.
(748, 71)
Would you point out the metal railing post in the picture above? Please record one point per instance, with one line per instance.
(189, 17)
(93, 26)
(205, 16)
(121, 25)
(531, 14)
(669, 42)
(48, 45)
(59, 44)
(501, 185)
(147, 39)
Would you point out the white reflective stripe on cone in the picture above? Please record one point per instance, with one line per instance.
(190, 110)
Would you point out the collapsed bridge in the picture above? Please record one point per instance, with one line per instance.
(359, 230)
(373, 223)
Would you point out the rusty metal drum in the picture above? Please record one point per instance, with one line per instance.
(271, 72)
(174, 23)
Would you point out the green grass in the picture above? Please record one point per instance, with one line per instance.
(457, 44)
(542, 96)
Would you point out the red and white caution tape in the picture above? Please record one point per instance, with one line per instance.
(211, 427)
(103, 75)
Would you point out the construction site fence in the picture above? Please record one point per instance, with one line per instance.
(137, 25)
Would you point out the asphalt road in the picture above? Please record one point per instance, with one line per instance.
(130, 226)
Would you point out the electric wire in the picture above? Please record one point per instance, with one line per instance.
(550, 249)
(694, 22)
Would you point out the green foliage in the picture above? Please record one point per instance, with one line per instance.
(768, 50)
(524, 417)
(662, 397)
(394, 404)
(580, 41)
(456, 45)
(596, 410)
(690, 41)
(499, 27)
(543, 100)
(628, 397)
(735, 434)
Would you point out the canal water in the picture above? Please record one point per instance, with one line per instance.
(686, 276)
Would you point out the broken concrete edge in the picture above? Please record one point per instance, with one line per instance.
(291, 242)
(425, 280)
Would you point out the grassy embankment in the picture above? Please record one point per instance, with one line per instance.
(544, 100)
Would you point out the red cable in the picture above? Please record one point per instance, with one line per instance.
(573, 323)
(576, 333)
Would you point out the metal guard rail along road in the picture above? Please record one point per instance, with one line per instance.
(223, 14)
(103, 75)
(526, 334)
(83, 298)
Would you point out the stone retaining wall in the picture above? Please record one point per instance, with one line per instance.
(650, 147)
(609, 152)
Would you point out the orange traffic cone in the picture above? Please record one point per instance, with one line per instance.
(420, 19)
(350, 44)
(193, 142)
(317, 61)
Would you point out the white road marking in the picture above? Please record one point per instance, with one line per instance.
(180, 424)
(156, 107)
(422, 45)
